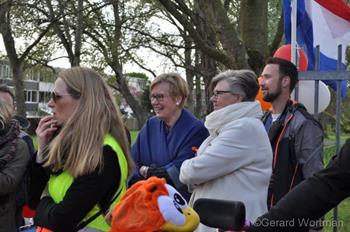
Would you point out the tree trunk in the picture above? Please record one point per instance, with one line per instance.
(253, 28)
(18, 71)
(16, 64)
(199, 111)
(63, 27)
(78, 34)
(208, 66)
(227, 33)
(189, 72)
(140, 113)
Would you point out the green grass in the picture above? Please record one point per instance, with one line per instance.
(133, 135)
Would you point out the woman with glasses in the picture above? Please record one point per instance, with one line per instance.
(83, 160)
(14, 157)
(234, 162)
(171, 136)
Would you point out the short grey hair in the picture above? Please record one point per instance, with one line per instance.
(243, 82)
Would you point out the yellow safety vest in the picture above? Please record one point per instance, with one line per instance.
(59, 184)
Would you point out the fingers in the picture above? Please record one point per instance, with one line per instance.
(46, 128)
(47, 123)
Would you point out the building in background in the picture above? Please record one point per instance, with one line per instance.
(38, 84)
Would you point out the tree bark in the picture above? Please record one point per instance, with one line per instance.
(16, 64)
(227, 34)
(63, 33)
(140, 113)
(189, 72)
(253, 27)
(191, 27)
(207, 64)
(278, 36)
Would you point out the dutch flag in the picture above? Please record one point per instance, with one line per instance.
(321, 22)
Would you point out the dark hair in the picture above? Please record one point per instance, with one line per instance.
(286, 68)
(243, 82)
(5, 89)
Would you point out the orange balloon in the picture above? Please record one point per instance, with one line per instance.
(264, 104)
(285, 52)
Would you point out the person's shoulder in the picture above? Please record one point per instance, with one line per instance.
(153, 120)
(21, 144)
(303, 119)
(22, 149)
(150, 123)
(302, 116)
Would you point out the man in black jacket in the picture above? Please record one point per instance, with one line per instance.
(296, 137)
(311, 199)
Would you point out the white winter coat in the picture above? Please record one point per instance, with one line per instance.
(234, 162)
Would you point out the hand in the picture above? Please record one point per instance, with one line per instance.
(46, 128)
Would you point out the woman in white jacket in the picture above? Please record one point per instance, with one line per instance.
(234, 162)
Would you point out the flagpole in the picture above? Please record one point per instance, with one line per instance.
(294, 58)
(294, 5)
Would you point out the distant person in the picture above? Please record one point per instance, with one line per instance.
(234, 162)
(7, 96)
(14, 157)
(83, 158)
(170, 137)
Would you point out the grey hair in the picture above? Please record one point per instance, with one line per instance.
(243, 82)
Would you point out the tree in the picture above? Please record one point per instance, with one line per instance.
(69, 28)
(228, 34)
(106, 28)
(9, 12)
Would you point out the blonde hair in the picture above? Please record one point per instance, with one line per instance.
(6, 114)
(178, 86)
(78, 147)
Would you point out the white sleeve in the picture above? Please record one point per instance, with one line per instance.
(226, 153)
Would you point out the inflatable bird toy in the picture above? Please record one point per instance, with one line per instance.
(152, 205)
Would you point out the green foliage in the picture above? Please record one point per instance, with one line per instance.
(138, 75)
(274, 13)
(329, 116)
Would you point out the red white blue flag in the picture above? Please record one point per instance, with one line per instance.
(320, 22)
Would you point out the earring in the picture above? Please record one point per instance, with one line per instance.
(177, 103)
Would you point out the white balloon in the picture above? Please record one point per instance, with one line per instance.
(307, 95)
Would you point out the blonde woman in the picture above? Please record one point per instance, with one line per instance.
(14, 156)
(83, 155)
(168, 138)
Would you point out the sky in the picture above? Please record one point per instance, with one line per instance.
(153, 61)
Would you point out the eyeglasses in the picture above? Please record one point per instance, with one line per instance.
(55, 97)
(217, 93)
(158, 97)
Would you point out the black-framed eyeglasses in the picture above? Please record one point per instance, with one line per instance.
(217, 93)
(55, 97)
(158, 97)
